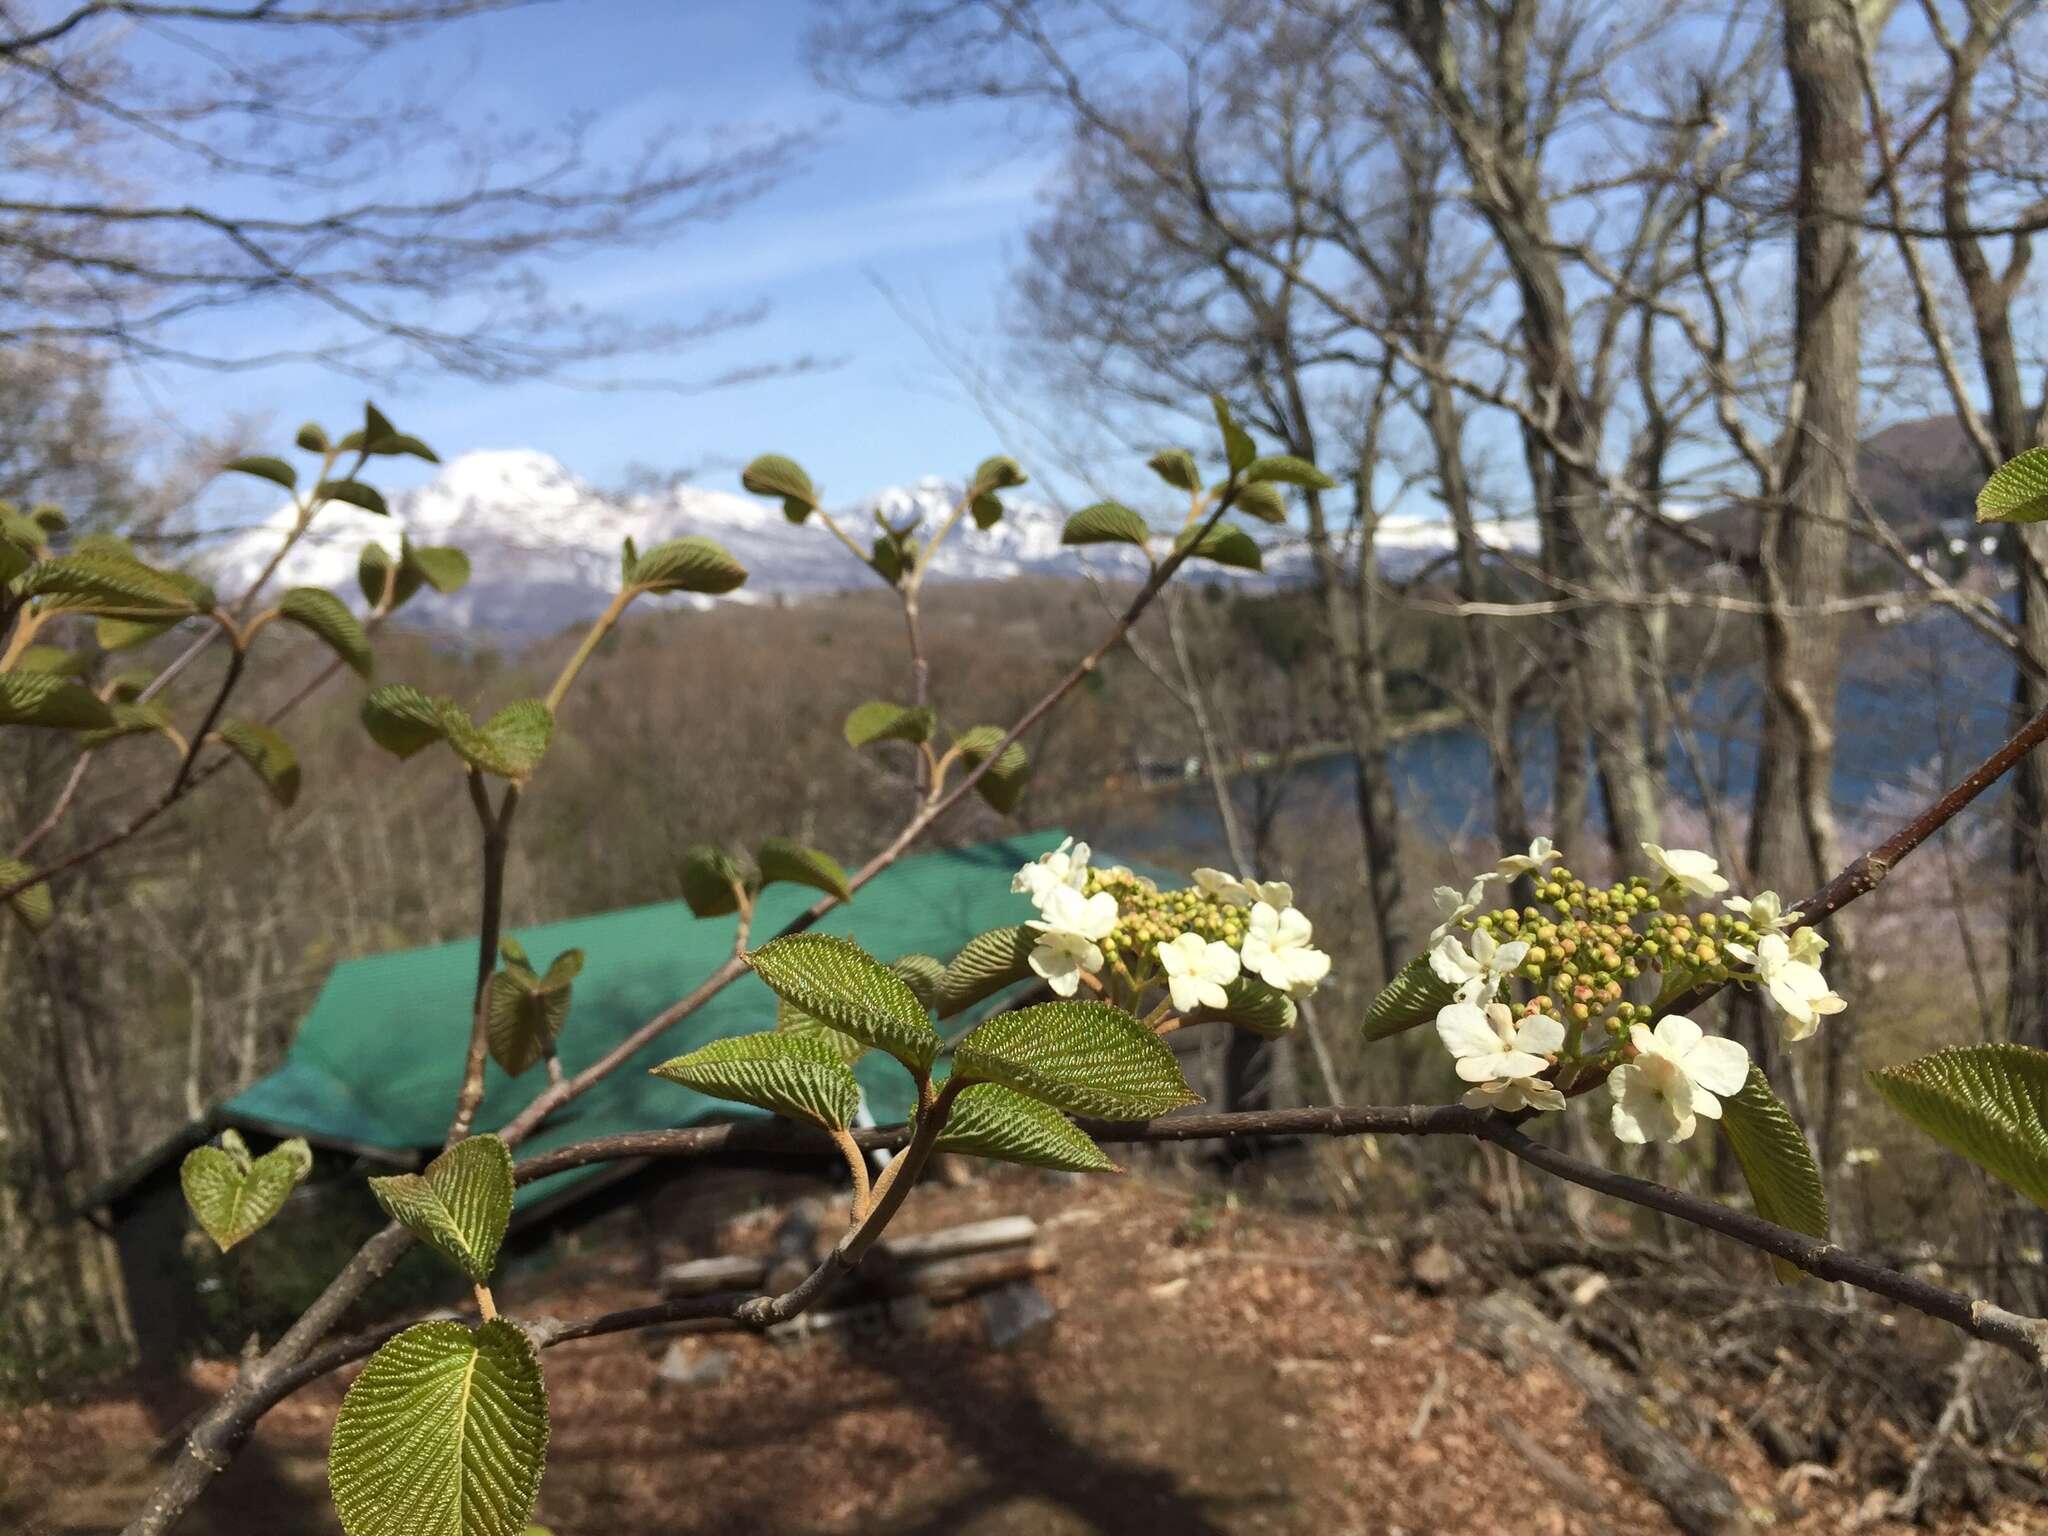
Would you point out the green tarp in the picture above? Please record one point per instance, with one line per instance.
(378, 1060)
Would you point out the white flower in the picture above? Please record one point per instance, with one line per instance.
(1795, 984)
(1491, 1044)
(1197, 971)
(1478, 974)
(1688, 869)
(1454, 907)
(1064, 865)
(1222, 887)
(1805, 945)
(1764, 912)
(1680, 1073)
(1540, 853)
(1277, 950)
(1511, 1095)
(1069, 937)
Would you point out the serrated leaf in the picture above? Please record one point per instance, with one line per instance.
(1252, 1005)
(794, 1021)
(458, 1206)
(1261, 501)
(105, 582)
(39, 698)
(263, 467)
(787, 1072)
(444, 1433)
(327, 617)
(689, 564)
(34, 907)
(268, 755)
(1415, 996)
(53, 661)
(712, 881)
(509, 745)
(1238, 447)
(986, 964)
(1988, 1102)
(1784, 1182)
(355, 493)
(878, 720)
(233, 1195)
(1286, 469)
(999, 473)
(524, 1014)
(773, 474)
(125, 634)
(922, 974)
(2017, 491)
(1004, 783)
(1177, 467)
(401, 719)
(989, 1120)
(1226, 545)
(838, 983)
(443, 567)
(129, 720)
(1085, 1058)
(1105, 523)
(778, 858)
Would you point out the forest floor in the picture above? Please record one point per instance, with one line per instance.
(1212, 1370)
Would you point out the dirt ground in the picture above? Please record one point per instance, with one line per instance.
(1239, 1372)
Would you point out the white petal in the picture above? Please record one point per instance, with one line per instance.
(1509, 956)
(1717, 1065)
(1464, 1031)
(1677, 1034)
(1539, 1033)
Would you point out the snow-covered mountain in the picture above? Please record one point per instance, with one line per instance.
(544, 545)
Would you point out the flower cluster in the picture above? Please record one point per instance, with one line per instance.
(1119, 933)
(1579, 981)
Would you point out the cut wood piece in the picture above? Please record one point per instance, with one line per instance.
(702, 1277)
(951, 1242)
(951, 1279)
(1700, 1501)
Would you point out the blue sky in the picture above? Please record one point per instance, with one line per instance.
(932, 203)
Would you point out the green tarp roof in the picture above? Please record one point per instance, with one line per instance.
(378, 1061)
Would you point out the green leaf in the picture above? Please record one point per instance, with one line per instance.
(312, 437)
(1784, 1182)
(886, 556)
(125, 634)
(838, 983)
(774, 475)
(268, 754)
(1105, 523)
(712, 881)
(355, 493)
(780, 859)
(989, 1120)
(2017, 491)
(445, 1433)
(1084, 1058)
(129, 720)
(376, 427)
(1261, 501)
(443, 567)
(878, 720)
(459, 1206)
(922, 974)
(126, 687)
(1252, 1005)
(1004, 783)
(1177, 467)
(53, 660)
(328, 618)
(524, 1013)
(395, 443)
(401, 719)
(102, 581)
(985, 965)
(794, 1021)
(788, 1072)
(999, 473)
(263, 467)
(1285, 469)
(1988, 1102)
(1413, 997)
(34, 908)
(373, 574)
(987, 510)
(234, 1196)
(689, 564)
(39, 698)
(1238, 446)
(1226, 545)
(510, 744)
